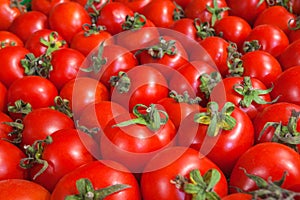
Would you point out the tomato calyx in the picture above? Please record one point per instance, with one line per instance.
(97, 61)
(234, 61)
(5, 44)
(87, 192)
(20, 107)
(95, 8)
(16, 133)
(204, 29)
(216, 120)
(184, 98)
(208, 82)
(134, 22)
(152, 118)
(216, 12)
(62, 105)
(250, 46)
(285, 134)
(52, 43)
(92, 29)
(268, 189)
(178, 12)
(294, 24)
(19, 4)
(200, 187)
(121, 82)
(34, 153)
(249, 94)
(90, 131)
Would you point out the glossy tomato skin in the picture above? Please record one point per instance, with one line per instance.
(261, 65)
(11, 68)
(260, 160)
(185, 26)
(45, 6)
(10, 159)
(135, 5)
(27, 23)
(36, 90)
(76, 147)
(9, 39)
(41, 122)
(3, 97)
(102, 174)
(229, 143)
(287, 86)
(12, 189)
(113, 15)
(271, 38)
(147, 87)
(74, 16)
(289, 57)
(237, 196)
(169, 163)
(7, 14)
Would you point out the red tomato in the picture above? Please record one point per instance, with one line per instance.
(9, 39)
(238, 196)
(7, 14)
(27, 23)
(147, 86)
(3, 97)
(77, 148)
(271, 38)
(73, 15)
(36, 90)
(83, 91)
(113, 15)
(163, 169)
(135, 5)
(9, 163)
(4, 128)
(41, 122)
(11, 68)
(240, 9)
(12, 189)
(45, 6)
(287, 86)
(259, 160)
(290, 56)
(234, 29)
(101, 174)
(216, 140)
(187, 27)
(206, 10)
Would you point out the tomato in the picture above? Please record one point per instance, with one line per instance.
(101, 174)
(66, 63)
(271, 38)
(270, 16)
(287, 87)
(289, 57)
(45, 6)
(135, 5)
(160, 12)
(74, 16)
(5, 129)
(75, 146)
(51, 40)
(3, 97)
(240, 9)
(207, 10)
(234, 29)
(41, 122)
(27, 23)
(83, 91)
(113, 15)
(261, 65)
(173, 162)
(12, 189)
(183, 3)
(147, 86)
(11, 68)
(7, 14)
(185, 26)
(10, 159)
(237, 196)
(37, 91)
(9, 39)
(259, 160)
(135, 143)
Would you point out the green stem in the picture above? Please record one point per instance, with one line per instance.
(216, 11)
(204, 29)
(121, 82)
(184, 98)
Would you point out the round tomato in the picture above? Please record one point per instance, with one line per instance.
(7, 14)
(9, 39)
(289, 57)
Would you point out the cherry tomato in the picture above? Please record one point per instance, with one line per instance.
(289, 57)
(7, 14)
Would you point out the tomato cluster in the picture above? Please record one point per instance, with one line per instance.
(149, 99)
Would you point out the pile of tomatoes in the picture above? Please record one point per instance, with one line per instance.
(149, 99)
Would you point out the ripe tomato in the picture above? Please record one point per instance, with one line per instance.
(27, 23)
(11, 68)
(36, 90)
(10, 159)
(185, 26)
(101, 174)
(289, 57)
(77, 148)
(9, 39)
(74, 16)
(7, 14)
(135, 5)
(260, 160)
(45, 6)
(12, 189)
(174, 162)
(5, 129)
(237, 196)
(3, 97)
